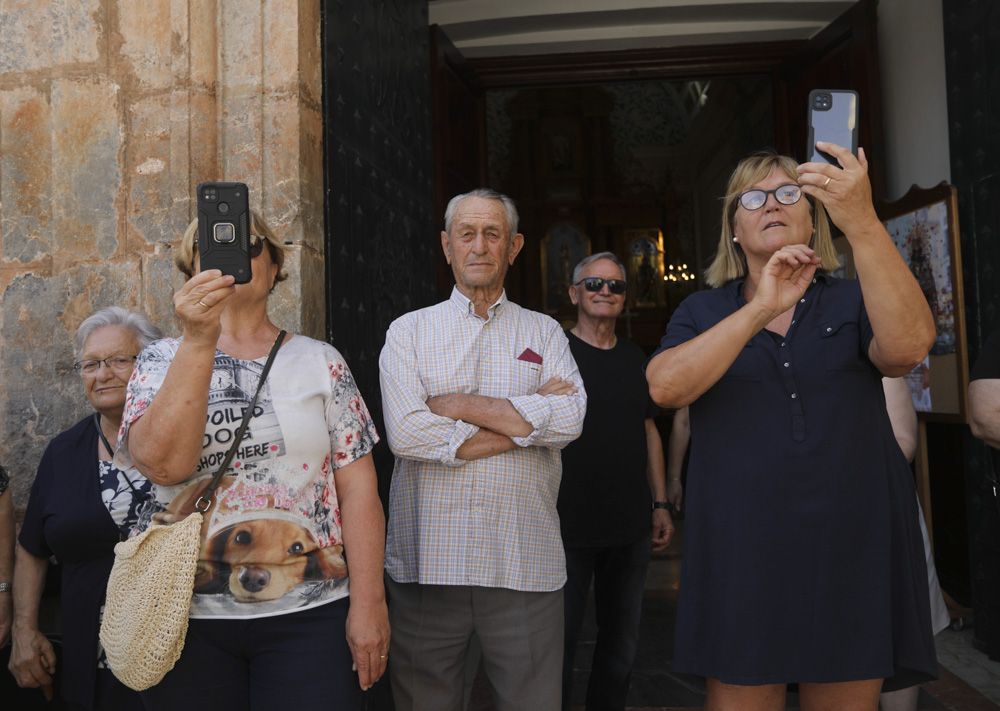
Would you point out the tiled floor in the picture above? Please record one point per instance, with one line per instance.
(957, 655)
(968, 680)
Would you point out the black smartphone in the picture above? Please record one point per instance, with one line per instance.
(224, 229)
(833, 117)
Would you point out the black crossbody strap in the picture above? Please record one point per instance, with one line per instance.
(204, 502)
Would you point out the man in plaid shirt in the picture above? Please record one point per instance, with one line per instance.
(479, 397)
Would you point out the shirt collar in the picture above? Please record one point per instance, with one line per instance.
(464, 304)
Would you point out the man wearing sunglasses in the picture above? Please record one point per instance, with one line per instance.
(479, 396)
(613, 496)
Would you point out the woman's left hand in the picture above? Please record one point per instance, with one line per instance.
(368, 638)
(845, 192)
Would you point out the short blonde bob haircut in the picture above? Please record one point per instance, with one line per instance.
(188, 247)
(730, 262)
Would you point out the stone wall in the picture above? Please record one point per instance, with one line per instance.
(111, 111)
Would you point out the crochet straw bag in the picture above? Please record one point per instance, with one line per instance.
(148, 599)
(152, 582)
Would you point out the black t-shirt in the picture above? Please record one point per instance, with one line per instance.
(604, 496)
(987, 365)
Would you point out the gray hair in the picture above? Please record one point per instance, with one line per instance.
(486, 194)
(144, 330)
(610, 256)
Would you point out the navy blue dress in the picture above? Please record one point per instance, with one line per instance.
(66, 517)
(803, 560)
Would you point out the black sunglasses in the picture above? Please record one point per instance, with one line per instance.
(615, 286)
(256, 246)
(785, 194)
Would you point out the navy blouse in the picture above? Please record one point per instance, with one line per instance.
(67, 518)
(803, 559)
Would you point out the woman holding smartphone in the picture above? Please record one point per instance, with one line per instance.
(803, 559)
(274, 623)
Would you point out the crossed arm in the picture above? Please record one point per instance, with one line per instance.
(455, 428)
(497, 419)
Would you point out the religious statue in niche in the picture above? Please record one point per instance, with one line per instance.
(562, 247)
(645, 263)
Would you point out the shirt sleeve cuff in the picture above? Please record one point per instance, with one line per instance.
(459, 435)
(535, 410)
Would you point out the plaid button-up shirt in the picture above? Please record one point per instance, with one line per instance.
(490, 522)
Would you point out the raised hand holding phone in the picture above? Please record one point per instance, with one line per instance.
(224, 229)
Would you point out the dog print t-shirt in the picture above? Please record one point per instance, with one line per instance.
(271, 541)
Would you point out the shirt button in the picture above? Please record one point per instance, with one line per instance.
(794, 396)
(787, 364)
(802, 300)
(829, 328)
(782, 344)
(793, 322)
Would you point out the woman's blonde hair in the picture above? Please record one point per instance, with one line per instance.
(188, 248)
(730, 262)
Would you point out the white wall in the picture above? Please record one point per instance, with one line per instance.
(914, 103)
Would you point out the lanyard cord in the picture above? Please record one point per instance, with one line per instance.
(111, 451)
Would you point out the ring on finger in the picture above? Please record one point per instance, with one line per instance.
(204, 304)
(828, 179)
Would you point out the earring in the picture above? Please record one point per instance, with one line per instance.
(736, 239)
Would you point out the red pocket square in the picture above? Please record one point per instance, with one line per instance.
(530, 356)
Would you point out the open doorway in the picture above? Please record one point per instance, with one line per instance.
(629, 150)
(635, 168)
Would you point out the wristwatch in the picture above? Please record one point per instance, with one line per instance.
(663, 505)
(4, 587)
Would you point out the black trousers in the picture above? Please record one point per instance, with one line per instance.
(619, 576)
(290, 662)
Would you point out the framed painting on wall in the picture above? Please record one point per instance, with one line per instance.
(563, 246)
(643, 253)
(923, 224)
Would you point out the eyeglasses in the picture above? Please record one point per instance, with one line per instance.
(119, 364)
(785, 194)
(615, 286)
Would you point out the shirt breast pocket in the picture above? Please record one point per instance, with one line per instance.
(525, 377)
(840, 340)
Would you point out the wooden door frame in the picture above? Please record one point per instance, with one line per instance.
(777, 59)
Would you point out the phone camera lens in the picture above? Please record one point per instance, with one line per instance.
(224, 208)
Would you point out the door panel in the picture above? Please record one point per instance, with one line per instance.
(842, 56)
(459, 134)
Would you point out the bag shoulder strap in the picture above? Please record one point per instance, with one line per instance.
(204, 502)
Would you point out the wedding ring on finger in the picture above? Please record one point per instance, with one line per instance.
(204, 304)
(828, 179)
(383, 657)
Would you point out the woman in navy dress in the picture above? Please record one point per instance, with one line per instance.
(803, 559)
(80, 507)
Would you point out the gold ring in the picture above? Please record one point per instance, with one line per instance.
(383, 656)
(204, 304)
(828, 179)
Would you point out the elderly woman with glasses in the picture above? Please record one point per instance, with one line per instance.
(81, 505)
(273, 621)
(803, 559)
